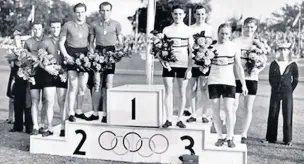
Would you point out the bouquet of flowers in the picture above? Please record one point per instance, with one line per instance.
(162, 48)
(98, 61)
(129, 46)
(27, 64)
(203, 51)
(256, 55)
(81, 62)
(12, 54)
(49, 62)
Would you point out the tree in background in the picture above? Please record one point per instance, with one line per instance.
(286, 17)
(14, 14)
(163, 16)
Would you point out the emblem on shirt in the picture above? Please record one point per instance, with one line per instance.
(222, 61)
(177, 42)
(104, 32)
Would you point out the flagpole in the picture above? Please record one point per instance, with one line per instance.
(300, 38)
(150, 27)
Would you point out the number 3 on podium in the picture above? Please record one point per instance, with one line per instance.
(190, 146)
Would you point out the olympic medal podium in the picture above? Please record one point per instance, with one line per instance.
(134, 134)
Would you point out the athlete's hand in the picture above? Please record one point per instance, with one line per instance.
(245, 90)
(51, 70)
(188, 74)
(166, 65)
(69, 59)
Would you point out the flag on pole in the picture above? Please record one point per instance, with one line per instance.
(31, 17)
(297, 18)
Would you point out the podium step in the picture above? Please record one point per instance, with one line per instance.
(96, 140)
(213, 154)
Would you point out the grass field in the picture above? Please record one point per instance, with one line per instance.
(14, 146)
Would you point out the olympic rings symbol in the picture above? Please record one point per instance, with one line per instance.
(138, 144)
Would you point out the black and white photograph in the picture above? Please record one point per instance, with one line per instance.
(152, 81)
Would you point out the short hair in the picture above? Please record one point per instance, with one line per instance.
(224, 25)
(200, 7)
(251, 20)
(105, 4)
(80, 5)
(37, 22)
(55, 20)
(178, 6)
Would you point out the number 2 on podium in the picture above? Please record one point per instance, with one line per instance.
(133, 109)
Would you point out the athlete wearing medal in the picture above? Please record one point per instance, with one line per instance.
(199, 79)
(32, 45)
(74, 38)
(107, 33)
(53, 85)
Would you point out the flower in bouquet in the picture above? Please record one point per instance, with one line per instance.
(51, 65)
(162, 48)
(97, 60)
(25, 61)
(256, 56)
(203, 50)
(12, 54)
(81, 62)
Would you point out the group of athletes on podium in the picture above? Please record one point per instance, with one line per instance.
(220, 81)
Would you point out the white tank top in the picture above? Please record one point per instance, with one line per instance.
(222, 66)
(181, 35)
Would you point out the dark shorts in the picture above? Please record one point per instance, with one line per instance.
(218, 90)
(111, 70)
(72, 52)
(107, 48)
(39, 79)
(48, 80)
(60, 84)
(252, 86)
(197, 73)
(175, 72)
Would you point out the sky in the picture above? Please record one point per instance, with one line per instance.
(221, 9)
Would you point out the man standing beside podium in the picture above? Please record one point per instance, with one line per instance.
(107, 33)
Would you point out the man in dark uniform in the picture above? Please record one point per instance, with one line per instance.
(22, 95)
(107, 33)
(283, 78)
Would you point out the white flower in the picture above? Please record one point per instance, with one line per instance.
(200, 55)
(210, 54)
(160, 35)
(200, 41)
(253, 56)
(207, 61)
(81, 56)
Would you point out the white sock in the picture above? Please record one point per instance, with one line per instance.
(78, 111)
(41, 126)
(36, 127)
(95, 113)
(50, 128)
